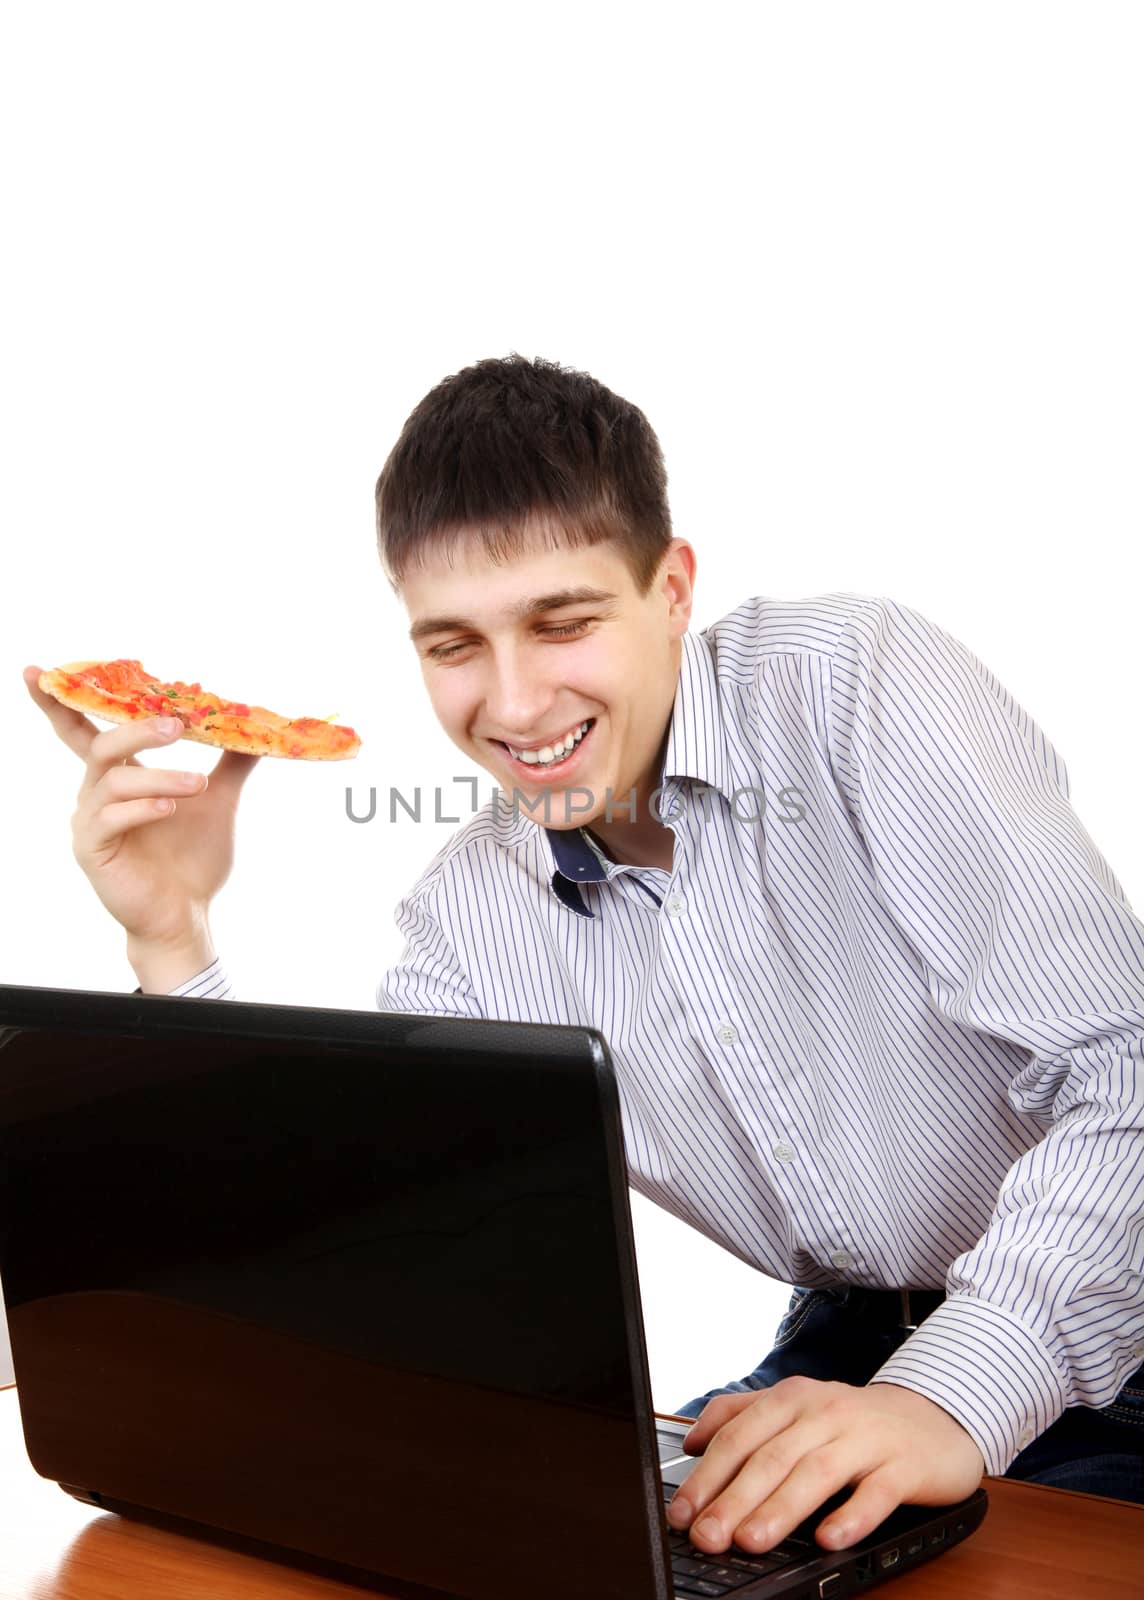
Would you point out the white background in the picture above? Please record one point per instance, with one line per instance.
(872, 271)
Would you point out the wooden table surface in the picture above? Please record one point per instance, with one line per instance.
(1035, 1544)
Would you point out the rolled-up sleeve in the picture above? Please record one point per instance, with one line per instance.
(1024, 933)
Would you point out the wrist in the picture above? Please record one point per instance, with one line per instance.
(919, 1408)
(161, 966)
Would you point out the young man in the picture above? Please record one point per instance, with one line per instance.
(876, 1001)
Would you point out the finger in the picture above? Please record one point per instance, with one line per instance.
(878, 1493)
(126, 797)
(76, 730)
(141, 783)
(766, 1414)
(100, 748)
(760, 1484)
(117, 746)
(815, 1474)
(123, 799)
(714, 1414)
(233, 768)
(108, 825)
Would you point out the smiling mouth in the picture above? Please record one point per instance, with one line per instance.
(557, 765)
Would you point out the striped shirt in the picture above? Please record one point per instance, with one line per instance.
(882, 1023)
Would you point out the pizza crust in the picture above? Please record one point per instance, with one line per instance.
(256, 731)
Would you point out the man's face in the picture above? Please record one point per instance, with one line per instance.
(523, 654)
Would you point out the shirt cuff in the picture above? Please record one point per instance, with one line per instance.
(210, 984)
(982, 1365)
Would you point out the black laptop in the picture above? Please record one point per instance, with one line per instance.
(361, 1288)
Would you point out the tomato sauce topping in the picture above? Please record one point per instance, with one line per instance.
(126, 680)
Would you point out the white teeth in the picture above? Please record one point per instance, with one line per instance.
(551, 752)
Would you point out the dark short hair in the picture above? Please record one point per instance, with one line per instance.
(519, 451)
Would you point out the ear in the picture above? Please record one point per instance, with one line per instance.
(677, 585)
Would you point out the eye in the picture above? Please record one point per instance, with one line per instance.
(568, 629)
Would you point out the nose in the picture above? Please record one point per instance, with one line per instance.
(517, 697)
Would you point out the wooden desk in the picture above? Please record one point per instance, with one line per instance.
(1035, 1544)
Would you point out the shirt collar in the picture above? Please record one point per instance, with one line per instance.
(697, 740)
(696, 748)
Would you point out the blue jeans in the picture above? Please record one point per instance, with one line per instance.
(844, 1335)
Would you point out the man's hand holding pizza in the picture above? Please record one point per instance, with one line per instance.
(156, 843)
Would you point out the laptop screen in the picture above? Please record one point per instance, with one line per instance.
(359, 1285)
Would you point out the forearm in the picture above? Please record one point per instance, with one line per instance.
(1045, 1309)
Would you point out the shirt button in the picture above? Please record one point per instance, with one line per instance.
(675, 905)
(727, 1034)
(1026, 1439)
(784, 1151)
(841, 1260)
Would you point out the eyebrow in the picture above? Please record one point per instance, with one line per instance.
(534, 607)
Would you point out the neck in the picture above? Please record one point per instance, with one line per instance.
(643, 842)
(638, 844)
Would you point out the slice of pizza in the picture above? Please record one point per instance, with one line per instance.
(120, 691)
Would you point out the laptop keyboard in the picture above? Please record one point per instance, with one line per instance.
(694, 1572)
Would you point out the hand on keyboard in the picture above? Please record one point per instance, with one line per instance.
(772, 1457)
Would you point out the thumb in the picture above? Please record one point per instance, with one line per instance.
(232, 769)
